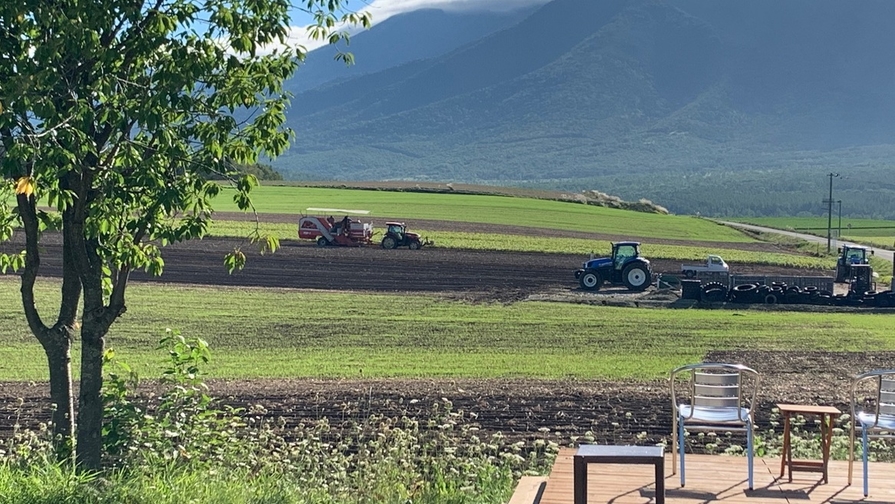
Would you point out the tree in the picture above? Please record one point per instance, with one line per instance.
(115, 114)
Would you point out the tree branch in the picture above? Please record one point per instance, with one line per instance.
(28, 213)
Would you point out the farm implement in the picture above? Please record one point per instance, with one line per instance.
(351, 232)
(861, 292)
(327, 231)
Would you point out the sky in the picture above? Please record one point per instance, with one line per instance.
(384, 9)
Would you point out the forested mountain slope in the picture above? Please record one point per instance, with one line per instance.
(725, 108)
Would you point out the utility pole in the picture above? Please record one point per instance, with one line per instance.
(829, 202)
(839, 235)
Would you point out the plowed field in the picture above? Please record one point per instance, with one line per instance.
(520, 408)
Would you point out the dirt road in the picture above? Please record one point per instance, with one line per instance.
(879, 252)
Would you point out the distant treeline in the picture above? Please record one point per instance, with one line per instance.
(259, 170)
(865, 192)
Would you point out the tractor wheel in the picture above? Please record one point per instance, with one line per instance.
(389, 243)
(322, 242)
(414, 245)
(590, 281)
(689, 273)
(885, 299)
(714, 295)
(636, 277)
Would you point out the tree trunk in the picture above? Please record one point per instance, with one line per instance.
(58, 349)
(56, 341)
(90, 405)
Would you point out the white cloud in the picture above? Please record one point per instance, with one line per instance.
(381, 10)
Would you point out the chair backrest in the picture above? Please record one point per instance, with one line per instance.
(717, 385)
(883, 380)
(887, 395)
(717, 390)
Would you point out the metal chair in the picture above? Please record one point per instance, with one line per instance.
(720, 396)
(875, 420)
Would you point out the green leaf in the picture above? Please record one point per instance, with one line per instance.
(235, 260)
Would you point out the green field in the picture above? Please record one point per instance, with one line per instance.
(516, 211)
(287, 333)
(487, 209)
(520, 243)
(861, 230)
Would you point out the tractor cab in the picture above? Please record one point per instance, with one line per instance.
(397, 229)
(849, 256)
(623, 252)
(856, 255)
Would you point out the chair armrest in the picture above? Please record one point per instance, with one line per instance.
(876, 374)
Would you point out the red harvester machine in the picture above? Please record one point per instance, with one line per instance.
(327, 231)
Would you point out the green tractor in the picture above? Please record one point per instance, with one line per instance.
(625, 267)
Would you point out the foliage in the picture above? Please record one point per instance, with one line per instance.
(116, 114)
(282, 333)
(260, 171)
(181, 423)
(185, 447)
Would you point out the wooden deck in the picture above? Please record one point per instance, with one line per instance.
(718, 478)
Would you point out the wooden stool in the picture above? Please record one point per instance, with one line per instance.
(600, 454)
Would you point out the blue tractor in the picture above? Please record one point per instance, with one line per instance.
(626, 267)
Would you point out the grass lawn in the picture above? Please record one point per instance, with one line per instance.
(288, 333)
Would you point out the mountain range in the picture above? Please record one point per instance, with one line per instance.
(742, 107)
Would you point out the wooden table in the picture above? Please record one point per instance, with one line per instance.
(611, 454)
(826, 437)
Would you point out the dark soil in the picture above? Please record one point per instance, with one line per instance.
(558, 410)
(614, 411)
(300, 264)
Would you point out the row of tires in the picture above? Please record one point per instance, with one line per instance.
(778, 293)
